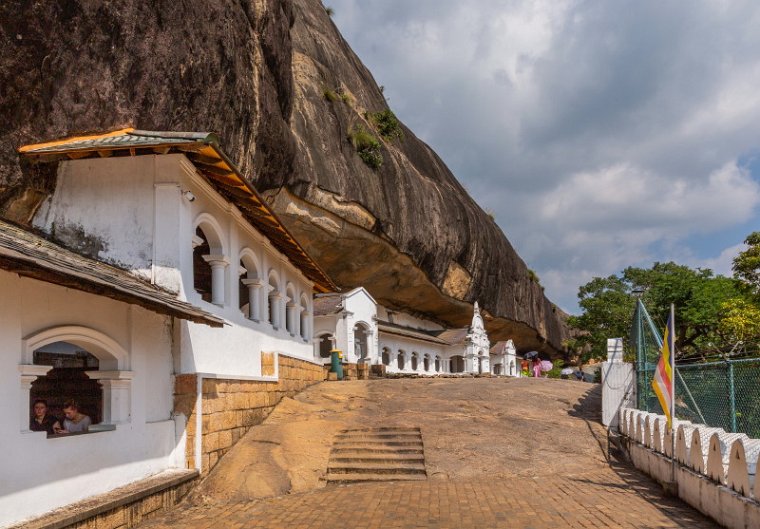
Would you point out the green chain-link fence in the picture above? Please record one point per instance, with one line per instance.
(724, 394)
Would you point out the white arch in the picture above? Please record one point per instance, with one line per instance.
(251, 263)
(110, 354)
(290, 292)
(304, 301)
(277, 282)
(213, 232)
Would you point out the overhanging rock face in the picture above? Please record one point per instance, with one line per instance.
(257, 73)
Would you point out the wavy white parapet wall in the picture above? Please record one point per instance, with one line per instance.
(729, 459)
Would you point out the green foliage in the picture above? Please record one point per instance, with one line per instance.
(330, 94)
(329, 10)
(346, 98)
(607, 306)
(533, 276)
(702, 302)
(367, 146)
(739, 320)
(386, 124)
(555, 372)
(747, 264)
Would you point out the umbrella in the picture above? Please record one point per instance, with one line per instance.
(566, 371)
(530, 354)
(546, 365)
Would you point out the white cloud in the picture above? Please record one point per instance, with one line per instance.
(626, 197)
(603, 134)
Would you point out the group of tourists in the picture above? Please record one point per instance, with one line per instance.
(73, 422)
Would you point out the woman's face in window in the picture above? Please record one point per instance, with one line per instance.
(39, 410)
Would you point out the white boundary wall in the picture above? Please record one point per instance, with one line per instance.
(722, 485)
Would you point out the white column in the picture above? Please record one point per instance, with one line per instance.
(218, 264)
(254, 298)
(117, 407)
(29, 374)
(274, 302)
(304, 329)
(290, 312)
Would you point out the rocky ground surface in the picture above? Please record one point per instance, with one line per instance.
(499, 453)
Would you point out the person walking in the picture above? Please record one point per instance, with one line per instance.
(536, 367)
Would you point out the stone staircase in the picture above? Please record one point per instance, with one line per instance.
(377, 454)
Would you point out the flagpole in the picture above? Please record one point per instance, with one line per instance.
(672, 340)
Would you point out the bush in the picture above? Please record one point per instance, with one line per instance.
(330, 11)
(386, 123)
(330, 95)
(367, 146)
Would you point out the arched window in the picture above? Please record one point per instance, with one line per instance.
(457, 364)
(325, 346)
(68, 380)
(386, 357)
(415, 358)
(249, 285)
(426, 363)
(201, 269)
(81, 364)
(400, 359)
(361, 344)
(274, 300)
(209, 261)
(303, 317)
(497, 369)
(437, 364)
(290, 309)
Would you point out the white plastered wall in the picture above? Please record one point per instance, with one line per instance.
(41, 474)
(142, 213)
(361, 309)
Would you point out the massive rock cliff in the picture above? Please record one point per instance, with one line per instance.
(284, 91)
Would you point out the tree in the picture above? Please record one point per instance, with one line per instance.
(697, 294)
(607, 307)
(740, 320)
(747, 264)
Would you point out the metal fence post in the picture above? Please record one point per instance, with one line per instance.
(732, 395)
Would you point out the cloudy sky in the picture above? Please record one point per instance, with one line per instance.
(602, 134)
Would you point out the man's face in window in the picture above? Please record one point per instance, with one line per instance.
(39, 410)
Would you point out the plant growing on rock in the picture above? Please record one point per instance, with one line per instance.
(386, 124)
(367, 146)
(330, 94)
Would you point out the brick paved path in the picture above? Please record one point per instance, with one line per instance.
(608, 498)
(528, 454)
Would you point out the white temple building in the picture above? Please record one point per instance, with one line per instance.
(163, 294)
(367, 332)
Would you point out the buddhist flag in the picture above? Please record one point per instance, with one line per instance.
(664, 378)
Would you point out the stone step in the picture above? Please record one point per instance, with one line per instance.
(337, 479)
(379, 437)
(379, 434)
(377, 458)
(376, 468)
(382, 429)
(377, 450)
(377, 443)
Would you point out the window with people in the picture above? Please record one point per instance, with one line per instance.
(65, 400)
